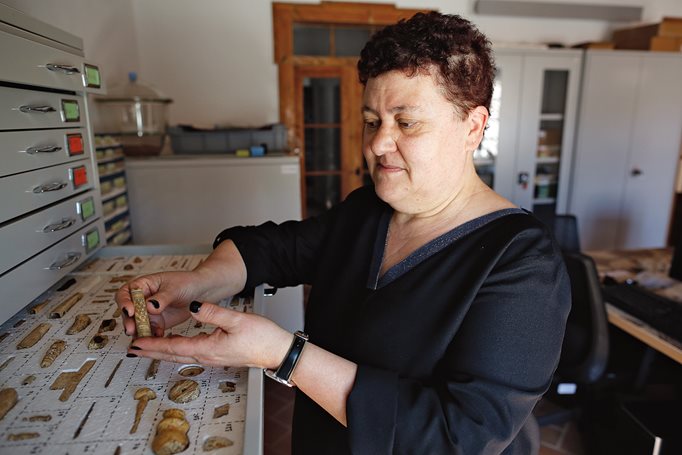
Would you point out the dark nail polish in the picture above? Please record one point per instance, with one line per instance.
(135, 348)
(125, 311)
(194, 306)
(154, 303)
(131, 355)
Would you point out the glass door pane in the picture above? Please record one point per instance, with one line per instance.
(322, 142)
(486, 154)
(550, 135)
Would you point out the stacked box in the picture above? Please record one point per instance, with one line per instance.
(663, 36)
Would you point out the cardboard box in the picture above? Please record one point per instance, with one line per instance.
(665, 43)
(640, 37)
(595, 45)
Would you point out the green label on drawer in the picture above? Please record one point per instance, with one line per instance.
(91, 240)
(87, 208)
(71, 111)
(92, 77)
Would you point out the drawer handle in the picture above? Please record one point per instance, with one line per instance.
(47, 149)
(66, 222)
(53, 186)
(66, 69)
(39, 109)
(71, 258)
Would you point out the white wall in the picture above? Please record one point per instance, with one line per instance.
(215, 57)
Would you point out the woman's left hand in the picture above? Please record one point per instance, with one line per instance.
(239, 339)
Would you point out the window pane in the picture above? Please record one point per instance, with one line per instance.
(350, 41)
(322, 192)
(322, 149)
(321, 100)
(554, 92)
(311, 40)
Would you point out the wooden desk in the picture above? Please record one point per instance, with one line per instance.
(650, 268)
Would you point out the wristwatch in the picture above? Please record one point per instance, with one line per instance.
(286, 368)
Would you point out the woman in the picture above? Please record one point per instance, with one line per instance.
(437, 308)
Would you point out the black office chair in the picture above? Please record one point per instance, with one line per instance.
(564, 228)
(585, 349)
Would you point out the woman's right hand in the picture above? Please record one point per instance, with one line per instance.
(168, 295)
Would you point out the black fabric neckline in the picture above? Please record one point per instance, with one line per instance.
(425, 251)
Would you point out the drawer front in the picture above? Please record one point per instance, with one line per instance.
(28, 62)
(26, 282)
(32, 234)
(22, 193)
(28, 109)
(22, 151)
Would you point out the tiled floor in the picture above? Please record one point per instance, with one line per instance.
(279, 408)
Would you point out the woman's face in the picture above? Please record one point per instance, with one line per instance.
(418, 149)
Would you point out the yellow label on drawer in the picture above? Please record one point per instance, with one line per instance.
(92, 76)
(91, 240)
(71, 111)
(87, 208)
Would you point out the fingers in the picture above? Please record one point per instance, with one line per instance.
(213, 314)
(174, 348)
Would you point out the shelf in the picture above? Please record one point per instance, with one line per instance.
(111, 174)
(111, 159)
(544, 200)
(547, 160)
(115, 213)
(110, 234)
(551, 117)
(114, 193)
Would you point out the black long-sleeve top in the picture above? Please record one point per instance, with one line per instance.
(454, 345)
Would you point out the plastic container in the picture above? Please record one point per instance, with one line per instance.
(273, 138)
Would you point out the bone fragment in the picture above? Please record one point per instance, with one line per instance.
(22, 436)
(153, 369)
(142, 324)
(113, 373)
(221, 411)
(98, 341)
(61, 309)
(79, 323)
(84, 421)
(5, 363)
(67, 381)
(52, 353)
(227, 386)
(38, 418)
(216, 442)
(19, 323)
(171, 433)
(116, 313)
(184, 391)
(34, 336)
(121, 279)
(28, 380)
(143, 395)
(39, 307)
(8, 398)
(3, 336)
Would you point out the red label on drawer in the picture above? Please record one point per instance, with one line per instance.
(75, 142)
(79, 176)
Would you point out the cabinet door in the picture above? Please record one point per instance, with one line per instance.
(608, 103)
(495, 159)
(547, 123)
(655, 145)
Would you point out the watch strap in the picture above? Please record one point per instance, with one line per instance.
(286, 368)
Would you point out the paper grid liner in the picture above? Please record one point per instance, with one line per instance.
(108, 425)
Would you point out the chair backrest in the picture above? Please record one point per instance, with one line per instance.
(565, 229)
(586, 343)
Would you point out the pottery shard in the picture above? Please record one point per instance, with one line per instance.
(184, 391)
(221, 411)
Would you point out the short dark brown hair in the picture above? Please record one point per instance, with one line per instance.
(452, 44)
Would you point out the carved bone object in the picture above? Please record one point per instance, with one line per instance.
(34, 336)
(52, 353)
(142, 324)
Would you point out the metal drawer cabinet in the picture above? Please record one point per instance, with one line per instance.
(22, 109)
(28, 62)
(34, 233)
(22, 193)
(27, 281)
(22, 151)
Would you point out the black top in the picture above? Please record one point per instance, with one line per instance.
(454, 345)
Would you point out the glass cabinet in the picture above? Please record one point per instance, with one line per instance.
(526, 152)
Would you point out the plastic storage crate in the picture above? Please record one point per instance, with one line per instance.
(187, 141)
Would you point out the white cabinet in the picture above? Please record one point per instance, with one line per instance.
(50, 211)
(627, 148)
(526, 153)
